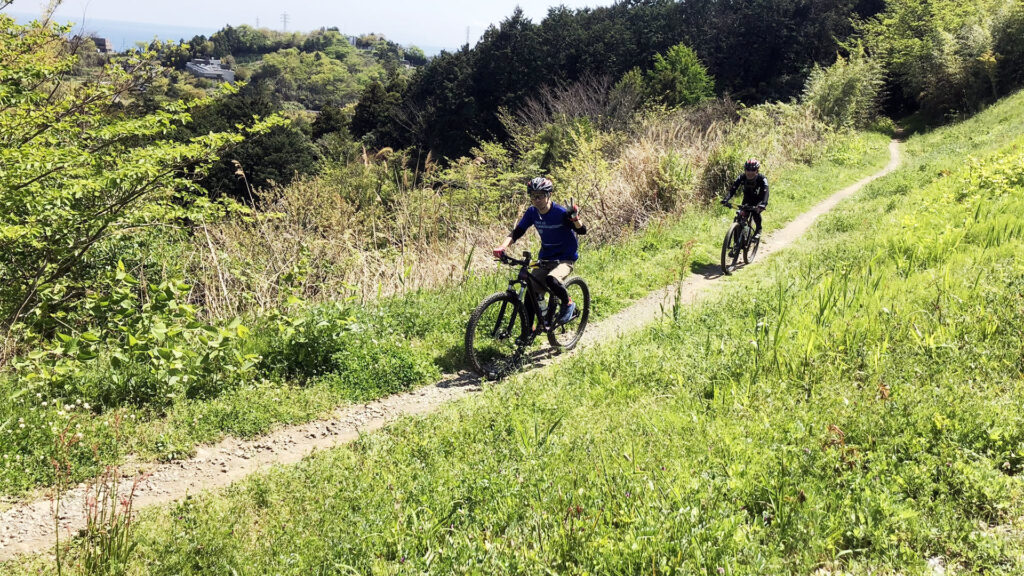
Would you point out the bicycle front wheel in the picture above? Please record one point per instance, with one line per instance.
(750, 250)
(566, 336)
(494, 327)
(731, 248)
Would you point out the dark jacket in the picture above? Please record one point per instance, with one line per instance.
(755, 192)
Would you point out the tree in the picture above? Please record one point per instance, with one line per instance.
(415, 56)
(944, 55)
(76, 169)
(311, 79)
(440, 111)
(505, 70)
(331, 119)
(274, 156)
(678, 78)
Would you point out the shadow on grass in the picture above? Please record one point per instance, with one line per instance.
(452, 360)
(464, 376)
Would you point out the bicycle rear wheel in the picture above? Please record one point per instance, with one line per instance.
(491, 347)
(731, 248)
(566, 336)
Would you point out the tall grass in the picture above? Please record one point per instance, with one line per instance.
(373, 229)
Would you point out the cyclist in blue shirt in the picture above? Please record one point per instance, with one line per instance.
(558, 227)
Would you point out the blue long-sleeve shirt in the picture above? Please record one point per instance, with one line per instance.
(558, 239)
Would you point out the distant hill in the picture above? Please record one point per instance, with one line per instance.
(124, 35)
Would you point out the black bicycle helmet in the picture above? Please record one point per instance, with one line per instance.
(752, 164)
(540, 184)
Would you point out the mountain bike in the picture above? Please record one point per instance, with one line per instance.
(497, 335)
(739, 240)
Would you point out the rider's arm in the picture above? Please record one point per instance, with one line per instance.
(732, 189)
(764, 201)
(524, 224)
(575, 224)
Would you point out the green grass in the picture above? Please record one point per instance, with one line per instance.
(340, 357)
(854, 405)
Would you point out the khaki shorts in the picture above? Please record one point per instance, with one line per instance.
(558, 268)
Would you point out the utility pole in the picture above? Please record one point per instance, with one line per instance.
(467, 35)
(257, 22)
(284, 21)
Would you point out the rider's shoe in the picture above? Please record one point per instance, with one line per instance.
(567, 311)
(756, 237)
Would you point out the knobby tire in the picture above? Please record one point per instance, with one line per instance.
(566, 336)
(730, 242)
(491, 347)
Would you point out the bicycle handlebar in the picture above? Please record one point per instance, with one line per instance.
(739, 207)
(506, 259)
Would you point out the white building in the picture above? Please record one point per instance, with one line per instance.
(210, 68)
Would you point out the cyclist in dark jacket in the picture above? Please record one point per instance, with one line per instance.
(558, 227)
(755, 191)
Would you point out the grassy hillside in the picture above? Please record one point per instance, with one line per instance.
(852, 405)
(311, 363)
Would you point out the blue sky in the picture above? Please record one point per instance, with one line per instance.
(435, 23)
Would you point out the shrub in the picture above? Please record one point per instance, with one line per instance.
(332, 344)
(845, 94)
(135, 350)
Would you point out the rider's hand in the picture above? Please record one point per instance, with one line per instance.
(498, 253)
(574, 213)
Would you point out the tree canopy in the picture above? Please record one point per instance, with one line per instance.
(76, 166)
(756, 49)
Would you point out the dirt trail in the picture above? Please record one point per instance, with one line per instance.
(29, 527)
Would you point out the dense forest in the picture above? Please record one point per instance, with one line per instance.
(757, 50)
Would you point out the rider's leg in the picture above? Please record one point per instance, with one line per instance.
(555, 280)
(538, 284)
(558, 289)
(756, 217)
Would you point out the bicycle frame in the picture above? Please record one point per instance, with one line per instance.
(742, 218)
(520, 288)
